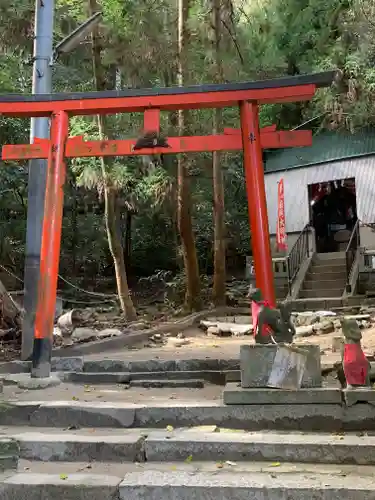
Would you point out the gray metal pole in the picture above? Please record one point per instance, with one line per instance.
(42, 84)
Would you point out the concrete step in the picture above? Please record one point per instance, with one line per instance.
(159, 414)
(317, 304)
(219, 377)
(324, 268)
(162, 381)
(195, 481)
(329, 258)
(207, 443)
(260, 446)
(330, 255)
(158, 365)
(329, 275)
(58, 364)
(330, 263)
(136, 368)
(168, 384)
(313, 284)
(84, 445)
(321, 293)
(9, 453)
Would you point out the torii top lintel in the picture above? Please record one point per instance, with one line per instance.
(286, 89)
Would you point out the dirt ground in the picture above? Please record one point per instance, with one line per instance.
(201, 346)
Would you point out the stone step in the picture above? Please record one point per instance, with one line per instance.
(321, 293)
(314, 284)
(196, 481)
(9, 453)
(58, 485)
(159, 365)
(57, 364)
(323, 268)
(329, 264)
(317, 304)
(234, 394)
(219, 377)
(77, 365)
(84, 445)
(167, 384)
(259, 446)
(326, 275)
(330, 255)
(205, 443)
(159, 414)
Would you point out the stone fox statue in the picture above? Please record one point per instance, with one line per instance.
(355, 365)
(149, 140)
(271, 325)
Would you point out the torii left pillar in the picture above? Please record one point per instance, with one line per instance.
(50, 249)
(256, 197)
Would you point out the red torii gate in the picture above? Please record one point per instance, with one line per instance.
(150, 102)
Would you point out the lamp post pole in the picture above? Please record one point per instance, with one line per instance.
(42, 84)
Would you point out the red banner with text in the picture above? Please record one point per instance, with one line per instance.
(280, 229)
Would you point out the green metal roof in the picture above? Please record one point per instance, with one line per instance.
(327, 147)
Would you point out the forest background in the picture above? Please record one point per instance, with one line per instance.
(179, 228)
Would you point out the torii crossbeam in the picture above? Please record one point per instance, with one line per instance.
(250, 138)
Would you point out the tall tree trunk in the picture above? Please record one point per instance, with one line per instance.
(128, 239)
(110, 194)
(74, 222)
(218, 293)
(185, 226)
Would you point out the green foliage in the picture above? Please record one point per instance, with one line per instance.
(262, 39)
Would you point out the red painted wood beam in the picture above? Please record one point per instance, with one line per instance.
(237, 131)
(151, 120)
(257, 202)
(77, 147)
(131, 104)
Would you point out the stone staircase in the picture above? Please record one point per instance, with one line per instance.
(190, 463)
(326, 277)
(81, 448)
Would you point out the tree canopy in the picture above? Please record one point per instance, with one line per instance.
(139, 48)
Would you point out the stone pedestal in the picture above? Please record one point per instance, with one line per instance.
(234, 394)
(256, 362)
(359, 395)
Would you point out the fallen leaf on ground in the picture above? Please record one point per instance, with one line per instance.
(63, 477)
(223, 429)
(204, 428)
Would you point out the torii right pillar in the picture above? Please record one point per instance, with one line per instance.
(256, 197)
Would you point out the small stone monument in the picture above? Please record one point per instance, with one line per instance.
(258, 361)
(273, 370)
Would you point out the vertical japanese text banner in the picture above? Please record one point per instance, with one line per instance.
(280, 227)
